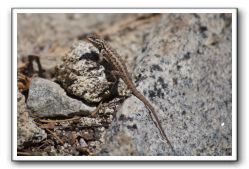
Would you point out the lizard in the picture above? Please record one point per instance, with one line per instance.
(120, 70)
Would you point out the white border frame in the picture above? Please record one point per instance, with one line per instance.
(233, 157)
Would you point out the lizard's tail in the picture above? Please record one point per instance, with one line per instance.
(153, 115)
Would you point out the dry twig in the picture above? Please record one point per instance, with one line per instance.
(55, 136)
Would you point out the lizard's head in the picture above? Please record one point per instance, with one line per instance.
(95, 40)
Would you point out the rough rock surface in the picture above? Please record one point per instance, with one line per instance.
(48, 99)
(80, 74)
(185, 69)
(27, 130)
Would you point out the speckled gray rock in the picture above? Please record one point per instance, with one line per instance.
(185, 68)
(81, 75)
(48, 99)
(27, 130)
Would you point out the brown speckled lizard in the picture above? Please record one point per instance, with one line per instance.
(120, 70)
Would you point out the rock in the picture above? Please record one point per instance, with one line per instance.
(80, 74)
(185, 70)
(83, 76)
(48, 99)
(27, 130)
(82, 143)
